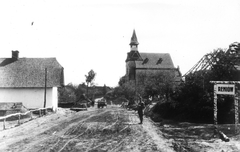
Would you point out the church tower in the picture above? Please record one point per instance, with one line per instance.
(132, 56)
(140, 65)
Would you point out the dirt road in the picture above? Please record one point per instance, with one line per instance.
(96, 130)
(111, 129)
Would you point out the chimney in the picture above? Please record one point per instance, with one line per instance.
(15, 55)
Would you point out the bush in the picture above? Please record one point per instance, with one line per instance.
(167, 110)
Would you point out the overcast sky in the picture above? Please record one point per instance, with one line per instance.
(85, 35)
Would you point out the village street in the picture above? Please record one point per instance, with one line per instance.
(108, 129)
(97, 130)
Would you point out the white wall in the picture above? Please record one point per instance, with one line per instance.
(30, 97)
(55, 98)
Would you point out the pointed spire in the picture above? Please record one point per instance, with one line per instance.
(134, 40)
(134, 55)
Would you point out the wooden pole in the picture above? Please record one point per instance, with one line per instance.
(4, 125)
(40, 113)
(19, 119)
(45, 90)
(135, 81)
(215, 105)
(236, 111)
(31, 114)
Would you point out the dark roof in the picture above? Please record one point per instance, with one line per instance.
(155, 61)
(30, 72)
(134, 40)
(133, 56)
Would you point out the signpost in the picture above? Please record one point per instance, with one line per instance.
(226, 88)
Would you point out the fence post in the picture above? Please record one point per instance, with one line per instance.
(31, 114)
(236, 112)
(215, 105)
(39, 112)
(4, 127)
(19, 119)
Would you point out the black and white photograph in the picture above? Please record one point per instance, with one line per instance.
(119, 75)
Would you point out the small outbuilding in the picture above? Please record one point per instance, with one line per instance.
(23, 80)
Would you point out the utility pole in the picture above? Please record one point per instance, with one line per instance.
(135, 81)
(45, 88)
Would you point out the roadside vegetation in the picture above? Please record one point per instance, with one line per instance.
(192, 99)
(85, 92)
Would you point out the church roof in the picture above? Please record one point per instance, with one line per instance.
(30, 72)
(155, 61)
(134, 40)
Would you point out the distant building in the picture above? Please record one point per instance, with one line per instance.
(138, 63)
(23, 80)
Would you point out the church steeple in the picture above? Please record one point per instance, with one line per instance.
(134, 42)
(134, 55)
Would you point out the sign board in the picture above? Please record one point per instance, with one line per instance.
(225, 89)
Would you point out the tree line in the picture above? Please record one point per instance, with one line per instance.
(70, 94)
(191, 100)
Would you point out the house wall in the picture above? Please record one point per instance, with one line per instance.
(30, 97)
(55, 98)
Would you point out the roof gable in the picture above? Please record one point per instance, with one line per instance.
(30, 72)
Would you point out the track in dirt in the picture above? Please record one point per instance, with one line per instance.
(93, 133)
(110, 129)
(100, 129)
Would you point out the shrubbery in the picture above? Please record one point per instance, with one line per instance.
(193, 100)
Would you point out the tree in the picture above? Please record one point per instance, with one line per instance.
(225, 64)
(67, 94)
(195, 97)
(104, 91)
(160, 84)
(126, 90)
(122, 80)
(90, 78)
(147, 85)
(80, 90)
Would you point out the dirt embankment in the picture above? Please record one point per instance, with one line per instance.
(191, 137)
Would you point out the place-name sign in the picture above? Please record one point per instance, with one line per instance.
(225, 89)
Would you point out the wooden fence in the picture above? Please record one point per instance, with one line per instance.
(42, 111)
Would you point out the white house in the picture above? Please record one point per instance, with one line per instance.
(23, 80)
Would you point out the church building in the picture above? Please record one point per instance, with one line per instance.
(138, 63)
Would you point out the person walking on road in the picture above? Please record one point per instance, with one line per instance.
(140, 110)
